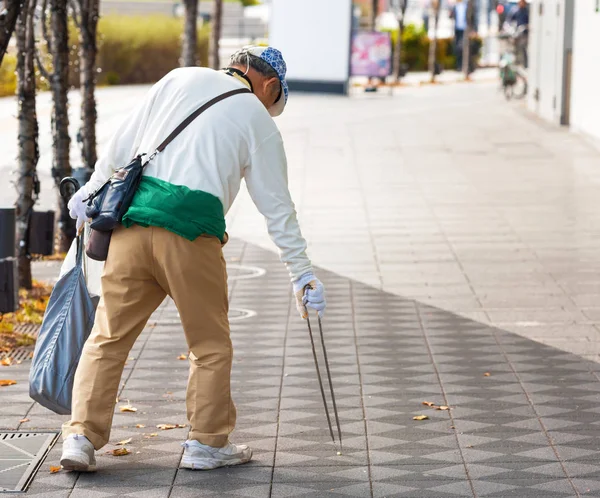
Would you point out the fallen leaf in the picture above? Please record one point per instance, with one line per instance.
(428, 403)
(487, 374)
(443, 407)
(6, 382)
(421, 417)
(139, 426)
(119, 452)
(166, 427)
(154, 434)
(6, 362)
(19, 362)
(124, 442)
(128, 408)
(182, 357)
(54, 470)
(469, 445)
(131, 358)
(23, 420)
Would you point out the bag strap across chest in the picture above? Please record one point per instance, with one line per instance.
(185, 123)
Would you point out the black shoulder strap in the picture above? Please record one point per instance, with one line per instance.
(197, 113)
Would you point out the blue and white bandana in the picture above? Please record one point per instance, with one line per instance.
(275, 59)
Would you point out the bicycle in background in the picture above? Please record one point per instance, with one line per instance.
(513, 75)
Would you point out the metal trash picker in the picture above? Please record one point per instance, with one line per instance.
(312, 342)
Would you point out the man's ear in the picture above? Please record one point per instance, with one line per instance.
(272, 86)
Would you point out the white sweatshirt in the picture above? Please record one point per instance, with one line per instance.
(234, 139)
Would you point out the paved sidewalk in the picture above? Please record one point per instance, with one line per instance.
(455, 235)
(530, 428)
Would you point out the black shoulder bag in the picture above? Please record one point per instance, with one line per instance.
(109, 203)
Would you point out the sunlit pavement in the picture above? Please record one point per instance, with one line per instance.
(455, 235)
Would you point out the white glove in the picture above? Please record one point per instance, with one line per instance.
(77, 207)
(314, 297)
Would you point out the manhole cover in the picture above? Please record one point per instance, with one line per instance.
(243, 272)
(235, 314)
(21, 455)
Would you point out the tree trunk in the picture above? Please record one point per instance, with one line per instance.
(87, 78)
(398, 48)
(9, 13)
(217, 21)
(61, 142)
(374, 14)
(435, 6)
(28, 138)
(466, 48)
(190, 34)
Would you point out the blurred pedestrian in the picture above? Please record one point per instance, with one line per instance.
(171, 244)
(519, 16)
(425, 12)
(459, 14)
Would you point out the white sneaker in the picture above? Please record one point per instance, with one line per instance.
(78, 454)
(198, 456)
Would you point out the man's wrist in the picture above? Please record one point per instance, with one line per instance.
(303, 281)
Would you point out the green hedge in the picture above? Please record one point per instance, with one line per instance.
(8, 78)
(132, 50)
(142, 49)
(415, 49)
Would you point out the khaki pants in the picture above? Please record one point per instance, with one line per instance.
(144, 265)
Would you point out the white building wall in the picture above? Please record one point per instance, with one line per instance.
(546, 51)
(585, 96)
(314, 37)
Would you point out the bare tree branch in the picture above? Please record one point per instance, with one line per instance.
(44, 21)
(8, 20)
(40, 65)
(76, 12)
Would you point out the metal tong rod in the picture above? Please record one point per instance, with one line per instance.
(312, 342)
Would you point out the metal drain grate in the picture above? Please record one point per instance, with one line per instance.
(21, 455)
(18, 354)
(31, 329)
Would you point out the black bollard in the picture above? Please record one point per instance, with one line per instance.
(7, 233)
(9, 285)
(41, 233)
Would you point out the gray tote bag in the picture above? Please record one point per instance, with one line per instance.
(66, 326)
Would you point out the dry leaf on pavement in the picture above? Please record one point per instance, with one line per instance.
(487, 374)
(139, 426)
(182, 357)
(124, 442)
(7, 382)
(166, 427)
(421, 417)
(23, 420)
(443, 407)
(154, 434)
(128, 408)
(6, 362)
(428, 403)
(54, 470)
(119, 452)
